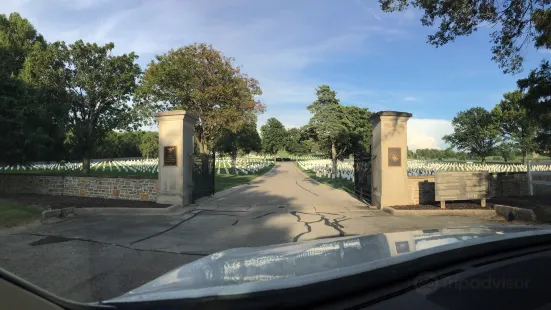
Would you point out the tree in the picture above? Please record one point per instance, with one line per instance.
(515, 123)
(326, 125)
(537, 103)
(246, 139)
(149, 144)
(199, 79)
(100, 85)
(294, 142)
(506, 150)
(18, 38)
(31, 95)
(339, 130)
(519, 23)
(360, 128)
(273, 136)
(475, 131)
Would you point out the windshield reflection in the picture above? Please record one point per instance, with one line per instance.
(244, 265)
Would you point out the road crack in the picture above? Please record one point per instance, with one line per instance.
(296, 182)
(67, 239)
(263, 215)
(335, 223)
(166, 230)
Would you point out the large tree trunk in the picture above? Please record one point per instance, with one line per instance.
(524, 154)
(86, 164)
(203, 147)
(333, 159)
(233, 159)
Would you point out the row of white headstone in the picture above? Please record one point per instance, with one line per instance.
(323, 169)
(345, 169)
(419, 167)
(137, 166)
(242, 165)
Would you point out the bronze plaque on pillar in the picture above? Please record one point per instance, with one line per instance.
(169, 156)
(394, 157)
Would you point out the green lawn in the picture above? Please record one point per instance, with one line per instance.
(97, 173)
(13, 214)
(283, 153)
(345, 185)
(225, 181)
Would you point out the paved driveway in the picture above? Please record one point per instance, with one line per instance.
(286, 185)
(98, 257)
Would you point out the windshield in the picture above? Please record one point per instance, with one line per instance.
(140, 136)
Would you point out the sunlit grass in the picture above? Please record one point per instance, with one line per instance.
(338, 183)
(225, 181)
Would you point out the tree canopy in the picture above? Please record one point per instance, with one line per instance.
(474, 131)
(273, 136)
(32, 102)
(244, 141)
(537, 102)
(517, 24)
(199, 79)
(339, 130)
(100, 86)
(295, 142)
(516, 126)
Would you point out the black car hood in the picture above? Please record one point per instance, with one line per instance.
(246, 270)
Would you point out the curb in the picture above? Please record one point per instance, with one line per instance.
(58, 213)
(514, 213)
(470, 213)
(230, 190)
(174, 209)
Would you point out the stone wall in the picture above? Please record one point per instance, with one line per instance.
(422, 189)
(99, 187)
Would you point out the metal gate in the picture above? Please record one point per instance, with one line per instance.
(203, 175)
(362, 176)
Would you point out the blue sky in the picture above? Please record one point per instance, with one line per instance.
(372, 59)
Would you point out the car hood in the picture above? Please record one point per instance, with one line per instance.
(246, 270)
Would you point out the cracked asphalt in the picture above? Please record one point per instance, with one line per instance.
(98, 257)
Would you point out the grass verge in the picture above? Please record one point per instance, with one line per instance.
(345, 185)
(79, 173)
(225, 181)
(14, 214)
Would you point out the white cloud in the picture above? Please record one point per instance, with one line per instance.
(428, 133)
(411, 99)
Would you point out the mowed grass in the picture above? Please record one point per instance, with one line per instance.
(225, 181)
(14, 214)
(338, 183)
(93, 173)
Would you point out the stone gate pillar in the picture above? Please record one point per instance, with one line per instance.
(175, 184)
(389, 177)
